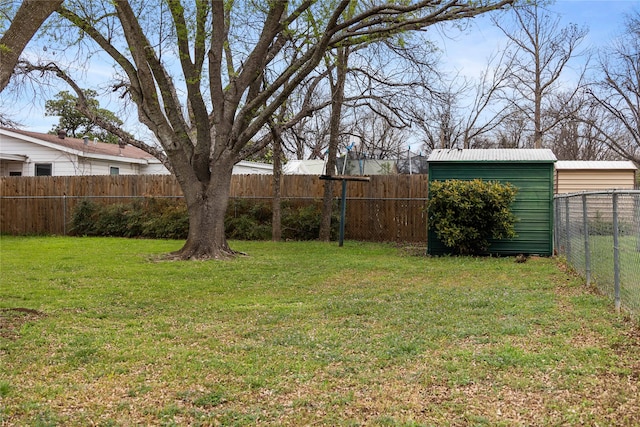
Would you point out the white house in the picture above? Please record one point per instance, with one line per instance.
(24, 153)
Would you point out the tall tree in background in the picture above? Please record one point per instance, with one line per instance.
(77, 124)
(463, 112)
(618, 92)
(541, 51)
(209, 107)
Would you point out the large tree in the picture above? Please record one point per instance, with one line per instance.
(617, 92)
(540, 52)
(208, 104)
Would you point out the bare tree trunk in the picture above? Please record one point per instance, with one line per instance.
(537, 101)
(337, 99)
(207, 207)
(276, 211)
(327, 205)
(28, 19)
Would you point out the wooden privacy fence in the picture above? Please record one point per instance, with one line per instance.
(388, 208)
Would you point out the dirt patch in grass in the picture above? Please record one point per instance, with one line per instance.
(12, 319)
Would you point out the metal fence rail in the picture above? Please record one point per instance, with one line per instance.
(599, 235)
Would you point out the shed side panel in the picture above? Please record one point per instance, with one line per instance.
(574, 181)
(533, 205)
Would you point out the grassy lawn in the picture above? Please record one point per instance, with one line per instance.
(97, 332)
(602, 266)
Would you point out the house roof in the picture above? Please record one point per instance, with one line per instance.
(492, 155)
(77, 146)
(595, 165)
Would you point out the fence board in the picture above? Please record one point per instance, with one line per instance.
(387, 208)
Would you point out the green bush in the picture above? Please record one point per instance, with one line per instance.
(248, 220)
(303, 222)
(153, 218)
(114, 220)
(165, 219)
(168, 219)
(83, 218)
(465, 215)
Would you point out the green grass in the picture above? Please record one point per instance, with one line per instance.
(602, 266)
(301, 334)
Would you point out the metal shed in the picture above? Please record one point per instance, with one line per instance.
(573, 176)
(530, 170)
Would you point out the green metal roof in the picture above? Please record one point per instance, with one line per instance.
(542, 155)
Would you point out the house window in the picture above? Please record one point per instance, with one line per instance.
(15, 173)
(44, 169)
(114, 171)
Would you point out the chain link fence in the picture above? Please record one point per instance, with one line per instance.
(599, 235)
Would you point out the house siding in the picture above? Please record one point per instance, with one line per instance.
(103, 167)
(64, 163)
(153, 169)
(21, 151)
(7, 167)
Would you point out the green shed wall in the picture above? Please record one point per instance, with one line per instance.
(533, 205)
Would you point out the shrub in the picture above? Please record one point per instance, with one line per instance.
(165, 219)
(248, 220)
(168, 219)
(303, 222)
(154, 218)
(465, 215)
(113, 220)
(83, 218)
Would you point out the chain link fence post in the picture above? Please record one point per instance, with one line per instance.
(585, 228)
(567, 229)
(616, 253)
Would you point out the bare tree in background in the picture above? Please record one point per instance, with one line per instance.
(577, 137)
(377, 137)
(486, 113)
(540, 54)
(463, 112)
(617, 92)
(440, 120)
(512, 132)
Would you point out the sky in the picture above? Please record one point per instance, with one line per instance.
(468, 52)
(464, 53)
